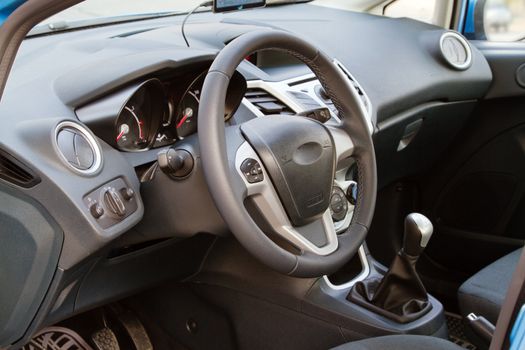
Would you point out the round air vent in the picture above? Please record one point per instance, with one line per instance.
(78, 148)
(456, 50)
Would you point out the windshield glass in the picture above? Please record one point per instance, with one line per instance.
(93, 12)
(93, 9)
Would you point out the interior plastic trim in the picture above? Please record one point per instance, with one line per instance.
(365, 272)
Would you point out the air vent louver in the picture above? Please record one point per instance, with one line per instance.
(455, 50)
(305, 100)
(13, 171)
(78, 148)
(357, 87)
(267, 103)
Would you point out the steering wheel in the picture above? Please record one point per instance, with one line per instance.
(271, 178)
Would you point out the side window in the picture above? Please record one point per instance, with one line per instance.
(504, 20)
(438, 12)
(421, 10)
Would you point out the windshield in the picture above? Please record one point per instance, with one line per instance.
(93, 12)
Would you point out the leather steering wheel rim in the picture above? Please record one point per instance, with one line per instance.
(218, 162)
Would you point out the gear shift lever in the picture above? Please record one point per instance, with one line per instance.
(400, 294)
(418, 230)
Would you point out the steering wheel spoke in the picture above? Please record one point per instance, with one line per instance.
(318, 237)
(344, 146)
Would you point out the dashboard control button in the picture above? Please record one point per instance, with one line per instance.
(338, 204)
(96, 210)
(127, 193)
(113, 202)
(177, 163)
(112, 205)
(252, 170)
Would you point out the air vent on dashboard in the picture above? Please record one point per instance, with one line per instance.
(305, 100)
(357, 87)
(13, 171)
(455, 50)
(78, 148)
(266, 102)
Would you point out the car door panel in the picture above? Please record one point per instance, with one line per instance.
(476, 194)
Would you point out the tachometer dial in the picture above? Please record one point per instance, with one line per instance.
(186, 122)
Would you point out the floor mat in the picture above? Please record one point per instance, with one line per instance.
(57, 338)
(456, 331)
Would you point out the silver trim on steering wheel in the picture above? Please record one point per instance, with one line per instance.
(267, 201)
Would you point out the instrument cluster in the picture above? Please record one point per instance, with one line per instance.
(155, 112)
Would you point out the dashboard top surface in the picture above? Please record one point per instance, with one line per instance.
(375, 49)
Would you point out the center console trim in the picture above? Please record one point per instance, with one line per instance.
(365, 272)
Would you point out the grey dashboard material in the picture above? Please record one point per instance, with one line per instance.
(397, 62)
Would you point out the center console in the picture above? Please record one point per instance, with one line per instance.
(367, 299)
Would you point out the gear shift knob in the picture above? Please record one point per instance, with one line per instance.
(418, 230)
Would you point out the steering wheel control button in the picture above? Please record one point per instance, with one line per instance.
(338, 204)
(176, 163)
(252, 170)
(96, 210)
(111, 203)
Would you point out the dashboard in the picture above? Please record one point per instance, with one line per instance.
(87, 114)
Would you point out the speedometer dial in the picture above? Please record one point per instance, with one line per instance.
(188, 108)
(131, 129)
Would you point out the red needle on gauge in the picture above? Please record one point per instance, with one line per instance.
(121, 134)
(140, 131)
(179, 124)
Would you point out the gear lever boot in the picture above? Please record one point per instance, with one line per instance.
(400, 294)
